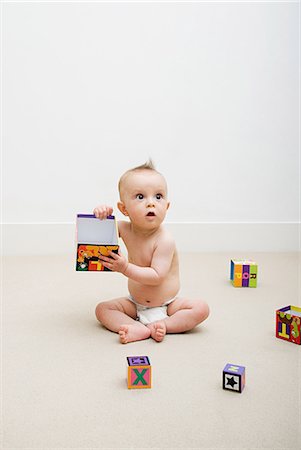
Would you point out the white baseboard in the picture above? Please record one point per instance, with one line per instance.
(59, 238)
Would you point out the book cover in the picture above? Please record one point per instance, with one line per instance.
(94, 237)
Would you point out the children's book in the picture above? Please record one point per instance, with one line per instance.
(94, 237)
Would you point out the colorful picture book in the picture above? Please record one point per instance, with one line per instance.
(94, 237)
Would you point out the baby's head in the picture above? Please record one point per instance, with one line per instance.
(147, 170)
(143, 193)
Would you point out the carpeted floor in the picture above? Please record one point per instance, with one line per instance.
(64, 376)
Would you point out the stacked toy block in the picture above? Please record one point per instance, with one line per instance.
(288, 324)
(243, 273)
(234, 377)
(139, 372)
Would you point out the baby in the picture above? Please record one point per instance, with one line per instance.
(153, 307)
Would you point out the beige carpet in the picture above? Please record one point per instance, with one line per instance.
(64, 376)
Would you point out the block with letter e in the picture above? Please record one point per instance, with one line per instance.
(94, 237)
(139, 373)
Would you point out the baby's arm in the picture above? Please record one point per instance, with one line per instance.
(153, 275)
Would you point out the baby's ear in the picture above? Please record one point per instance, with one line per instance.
(122, 208)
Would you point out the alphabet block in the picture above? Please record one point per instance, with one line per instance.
(234, 377)
(139, 372)
(288, 324)
(243, 273)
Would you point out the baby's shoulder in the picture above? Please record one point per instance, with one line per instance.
(166, 237)
(123, 227)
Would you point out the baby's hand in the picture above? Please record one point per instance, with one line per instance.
(116, 262)
(102, 211)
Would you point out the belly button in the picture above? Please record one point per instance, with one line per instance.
(147, 301)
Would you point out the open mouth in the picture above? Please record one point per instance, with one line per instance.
(151, 214)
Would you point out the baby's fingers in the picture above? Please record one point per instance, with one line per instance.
(105, 258)
(102, 211)
(96, 213)
(106, 211)
(113, 255)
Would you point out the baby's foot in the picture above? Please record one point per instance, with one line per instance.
(131, 333)
(158, 330)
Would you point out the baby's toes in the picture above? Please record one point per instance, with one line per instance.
(123, 329)
(123, 334)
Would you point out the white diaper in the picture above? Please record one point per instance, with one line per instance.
(147, 315)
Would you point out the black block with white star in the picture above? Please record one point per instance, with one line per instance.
(234, 377)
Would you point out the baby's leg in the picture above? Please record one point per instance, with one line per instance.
(119, 316)
(184, 315)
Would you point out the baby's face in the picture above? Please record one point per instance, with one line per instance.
(143, 197)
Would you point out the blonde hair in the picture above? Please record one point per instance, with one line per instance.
(148, 165)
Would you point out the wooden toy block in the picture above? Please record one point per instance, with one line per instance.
(234, 377)
(288, 324)
(94, 238)
(243, 273)
(139, 374)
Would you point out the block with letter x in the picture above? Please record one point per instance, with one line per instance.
(139, 372)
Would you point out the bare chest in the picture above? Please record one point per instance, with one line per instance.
(140, 250)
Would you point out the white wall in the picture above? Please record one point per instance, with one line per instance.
(209, 90)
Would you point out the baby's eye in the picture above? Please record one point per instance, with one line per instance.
(159, 196)
(139, 196)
